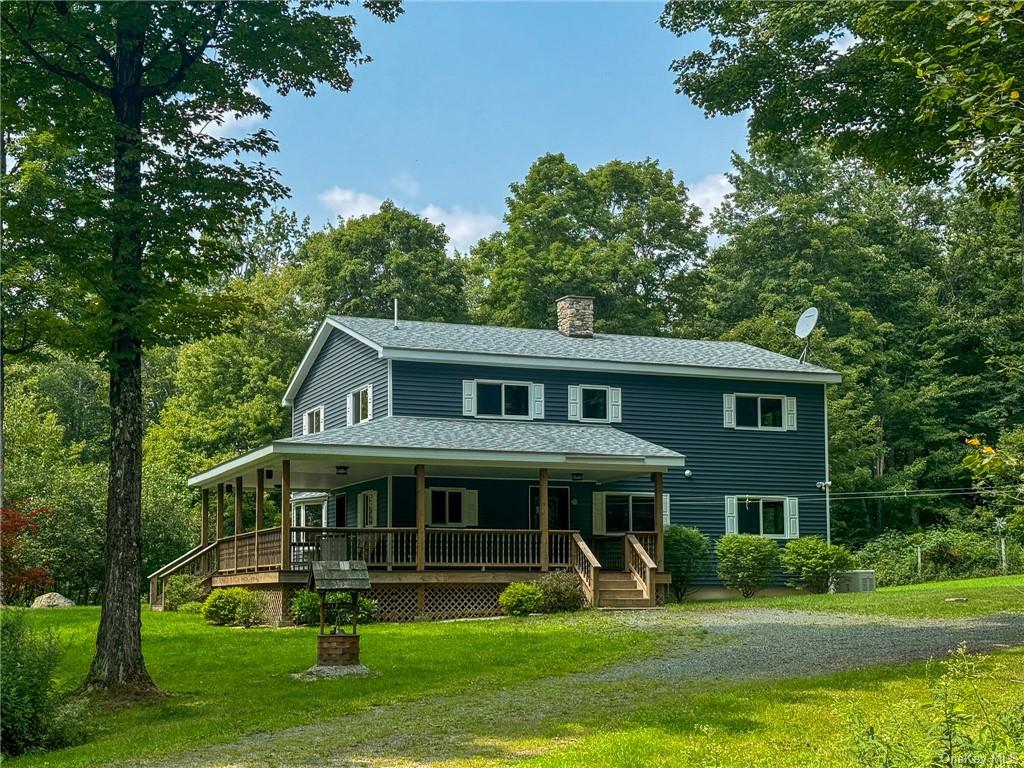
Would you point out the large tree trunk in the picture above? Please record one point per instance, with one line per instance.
(118, 663)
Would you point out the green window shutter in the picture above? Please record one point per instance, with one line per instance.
(469, 397)
(793, 517)
(574, 402)
(731, 518)
(538, 401)
(614, 404)
(729, 411)
(470, 507)
(790, 413)
(599, 518)
(666, 510)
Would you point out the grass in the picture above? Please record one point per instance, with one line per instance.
(984, 596)
(222, 683)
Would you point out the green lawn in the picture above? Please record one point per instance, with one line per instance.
(221, 682)
(984, 596)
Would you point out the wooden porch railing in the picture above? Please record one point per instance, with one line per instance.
(587, 567)
(379, 547)
(641, 565)
(201, 562)
(253, 551)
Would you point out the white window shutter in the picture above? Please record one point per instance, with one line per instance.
(790, 406)
(468, 397)
(348, 410)
(731, 517)
(574, 402)
(323, 514)
(538, 401)
(729, 411)
(470, 507)
(615, 404)
(369, 402)
(793, 517)
(371, 508)
(666, 512)
(599, 519)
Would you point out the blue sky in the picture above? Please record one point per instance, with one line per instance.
(461, 98)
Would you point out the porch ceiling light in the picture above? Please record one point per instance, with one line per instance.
(341, 470)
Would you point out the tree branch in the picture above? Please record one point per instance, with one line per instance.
(56, 69)
(188, 57)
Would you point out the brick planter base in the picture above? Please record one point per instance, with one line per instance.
(337, 650)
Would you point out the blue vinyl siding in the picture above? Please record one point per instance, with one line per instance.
(681, 413)
(343, 364)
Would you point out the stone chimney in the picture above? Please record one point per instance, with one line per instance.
(576, 316)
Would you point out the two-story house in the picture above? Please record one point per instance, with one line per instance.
(456, 459)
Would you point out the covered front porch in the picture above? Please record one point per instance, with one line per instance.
(469, 521)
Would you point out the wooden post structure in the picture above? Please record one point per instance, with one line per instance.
(260, 474)
(421, 516)
(544, 522)
(286, 515)
(659, 519)
(220, 511)
(204, 531)
(238, 515)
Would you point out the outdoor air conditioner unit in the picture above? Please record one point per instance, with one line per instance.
(855, 581)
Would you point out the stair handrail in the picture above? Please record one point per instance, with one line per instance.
(192, 553)
(641, 565)
(587, 567)
(158, 576)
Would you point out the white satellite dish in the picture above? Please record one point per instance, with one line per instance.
(806, 323)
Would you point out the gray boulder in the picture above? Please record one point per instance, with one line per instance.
(52, 600)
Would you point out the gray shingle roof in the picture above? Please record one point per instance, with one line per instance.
(603, 347)
(482, 435)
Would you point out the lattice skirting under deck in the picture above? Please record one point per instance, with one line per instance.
(405, 602)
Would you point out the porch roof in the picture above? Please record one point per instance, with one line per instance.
(391, 444)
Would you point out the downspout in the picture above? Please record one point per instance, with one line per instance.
(828, 481)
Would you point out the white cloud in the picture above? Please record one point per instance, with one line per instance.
(844, 42)
(406, 183)
(231, 122)
(708, 193)
(464, 227)
(348, 203)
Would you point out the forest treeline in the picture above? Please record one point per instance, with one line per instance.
(922, 310)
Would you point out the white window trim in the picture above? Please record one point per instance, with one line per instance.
(504, 382)
(759, 397)
(613, 404)
(786, 514)
(368, 388)
(607, 404)
(632, 495)
(447, 489)
(363, 499)
(300, 513)
(305, 420)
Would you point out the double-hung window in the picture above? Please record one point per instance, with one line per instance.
(775, 517)
(452, 507)
(764, 412)
(626, 512)
(595, 403)
(502, 399)
(360, 405)
(313, 421)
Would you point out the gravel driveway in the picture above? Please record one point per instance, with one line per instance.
(740, 644)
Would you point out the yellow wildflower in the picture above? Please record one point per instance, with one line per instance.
(1015, 95)
(973, 441)
(988, 449)
(983, 18)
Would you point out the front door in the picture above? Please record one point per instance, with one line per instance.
(558, 507)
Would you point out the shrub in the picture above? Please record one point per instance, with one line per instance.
(521, 599)
(746, 562)
(686, 552)
(305, 608)
(814, 562)
(222, 604)
(250, 609)
(560, 591)
(946, 553)
(34, 717)
(193, 607)
(893, 558)
(183, 588)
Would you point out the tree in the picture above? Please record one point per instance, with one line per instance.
(360, 266)
(625, 233)
(915, 89)
(119, 203)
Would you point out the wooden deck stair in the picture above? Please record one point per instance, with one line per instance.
(620, 590)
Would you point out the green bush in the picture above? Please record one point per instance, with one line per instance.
(892, 556)
(34, 716)
(746, 562)
(222, 604)
(686, 552)
(521, 599)
(560, 592)
(814, 562)
(305, 608)
(251, 608)
(194, 608)
(183, 588)
(946, 553)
